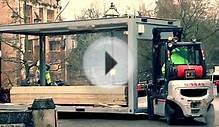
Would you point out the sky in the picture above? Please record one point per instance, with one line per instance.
(75, 6)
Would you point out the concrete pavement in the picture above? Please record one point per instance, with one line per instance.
(115, 120)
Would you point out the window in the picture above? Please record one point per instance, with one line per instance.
(186, 55)
(50, 15)
(54, 57)
(54, 54)
(28, 14)
(144, 59)
(54, 45)
(41, 14)
(30, 46)
(29, 50)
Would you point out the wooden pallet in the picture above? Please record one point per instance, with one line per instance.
(72, 95)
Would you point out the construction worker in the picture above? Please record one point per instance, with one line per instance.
(47, 75)
(178, 55)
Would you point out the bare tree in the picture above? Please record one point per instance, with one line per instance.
(199, 19)
(144, 11)
(59, 15)
(22, 62)
(190, 13)
(90, 13)
(75, 57)
(17, 18)
(15, 12)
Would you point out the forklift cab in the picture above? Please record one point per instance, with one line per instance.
(181, 54)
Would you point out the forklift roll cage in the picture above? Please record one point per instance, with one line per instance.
(157, 42)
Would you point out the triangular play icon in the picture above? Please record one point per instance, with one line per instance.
(109, 63)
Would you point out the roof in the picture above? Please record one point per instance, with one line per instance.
(66, 27)
(75, 26)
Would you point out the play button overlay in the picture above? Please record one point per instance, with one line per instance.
(109, 63)
(105, 62)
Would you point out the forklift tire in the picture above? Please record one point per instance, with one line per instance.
(210, 116)
(169, 113)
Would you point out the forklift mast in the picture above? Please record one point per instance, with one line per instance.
(156, 43)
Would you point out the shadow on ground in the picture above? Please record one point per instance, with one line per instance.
(110, 116)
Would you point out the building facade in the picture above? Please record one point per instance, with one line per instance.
(18, 50)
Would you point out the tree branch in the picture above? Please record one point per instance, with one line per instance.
(9, 80)
(62, 10)
(209, 35)
(11, 45)
(13, 60)
(6, 1)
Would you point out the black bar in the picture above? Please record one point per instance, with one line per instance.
(42, 60)
(1, 59)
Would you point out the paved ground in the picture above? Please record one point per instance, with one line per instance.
(112, 120)
(125, 122)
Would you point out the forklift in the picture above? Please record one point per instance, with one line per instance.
(179, 90)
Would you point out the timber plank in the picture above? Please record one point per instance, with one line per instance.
(70, 89)
(70, 94)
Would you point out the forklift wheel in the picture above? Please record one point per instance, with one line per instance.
(210, 116)
(169, 113)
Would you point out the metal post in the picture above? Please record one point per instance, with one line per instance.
(26, 41)
(132, 65)
(112, 44)
(42, 60)
(0, 60)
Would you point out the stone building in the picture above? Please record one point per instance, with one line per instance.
(37, 11)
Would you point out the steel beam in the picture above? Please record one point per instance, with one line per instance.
(64, 27)
(0, 60)
(42, 60)
(132, 66)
